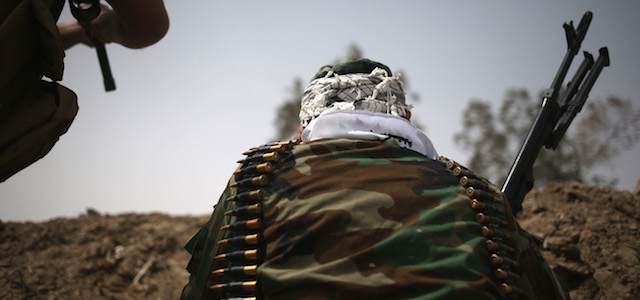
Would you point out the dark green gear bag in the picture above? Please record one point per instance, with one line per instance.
(34, 111)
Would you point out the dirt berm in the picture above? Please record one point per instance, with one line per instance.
(590, 239)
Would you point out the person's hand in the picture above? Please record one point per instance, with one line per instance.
(105, 27)
(131, 23)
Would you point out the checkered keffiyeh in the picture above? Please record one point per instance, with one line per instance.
(375, 92)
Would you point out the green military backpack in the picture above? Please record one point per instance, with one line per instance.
(34, 111)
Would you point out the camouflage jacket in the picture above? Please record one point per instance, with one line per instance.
(355, 219)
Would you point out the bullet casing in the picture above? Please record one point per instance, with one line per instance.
(256, 168)
(243, 225)
(481, 195)
(489, 232)
(240, 255)
(500, 260)
(497, 246)
(246, 211)
(475, 183)
(237, 271)
(486, 219)
(505, 274)
(270, 156)
(242, 240)
(249, 196)
(506, 289)
(257, 181)
(238, 286)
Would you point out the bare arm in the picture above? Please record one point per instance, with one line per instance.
(132, 23)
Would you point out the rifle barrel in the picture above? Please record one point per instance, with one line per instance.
(544, 131)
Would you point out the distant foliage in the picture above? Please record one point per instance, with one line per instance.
(600, 132)
(287, 120)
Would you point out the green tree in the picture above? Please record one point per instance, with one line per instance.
(600, 132)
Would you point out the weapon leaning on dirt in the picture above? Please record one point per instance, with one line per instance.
(556, 113)
(87, 10)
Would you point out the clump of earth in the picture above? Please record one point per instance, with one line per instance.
(590, 239)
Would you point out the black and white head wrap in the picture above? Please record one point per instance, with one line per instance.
(375, 92)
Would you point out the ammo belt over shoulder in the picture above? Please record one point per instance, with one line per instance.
(490, 213)
(241, 250)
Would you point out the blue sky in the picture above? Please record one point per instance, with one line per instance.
(186, 108)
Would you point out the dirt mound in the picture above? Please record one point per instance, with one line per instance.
(589, 237)
(95, 256)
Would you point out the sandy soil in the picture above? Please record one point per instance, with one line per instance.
(590, 238)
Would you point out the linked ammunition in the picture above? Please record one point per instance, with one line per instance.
(286, 144)
(242, 240)
(243, 225)
(271, 156)
(245, 211)
(266, 167)
(482, 184)
(237, 271)
(497, 246)
(239, 255)
(257, 181)
(505, 274)
(266, 148)
(483, 206)
(500, 260)
(481, 195)
(247, 196)
(485, 219)
(494, 232)
(239, 286)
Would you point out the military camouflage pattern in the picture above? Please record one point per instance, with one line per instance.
(355, 219)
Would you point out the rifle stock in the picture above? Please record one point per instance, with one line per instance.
(556, 112)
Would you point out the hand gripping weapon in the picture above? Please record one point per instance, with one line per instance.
(87, 10)
(556, 113)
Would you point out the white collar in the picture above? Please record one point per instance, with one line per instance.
(365, 125)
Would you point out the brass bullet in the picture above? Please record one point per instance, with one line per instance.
(245, 211)
(450, 165)
(500, 260)
(494, 232)
(250, 270)
(247, 196)
(504, 274)
(271, 156)
(481, 195)
(483, 206)
(252, 182)
(265, 148)
(505, 289)
(478, 184)
(238, 286)
(251, 239)
(243, 225)
(497, 246)
(485, 219)
(265, 167)
(239, 255)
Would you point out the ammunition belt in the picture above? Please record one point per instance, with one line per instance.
(490, 213)
(241, 249)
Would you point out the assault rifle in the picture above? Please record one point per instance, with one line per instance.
(556, 113)
(87, 10)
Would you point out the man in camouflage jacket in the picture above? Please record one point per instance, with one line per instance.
(362, 208)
